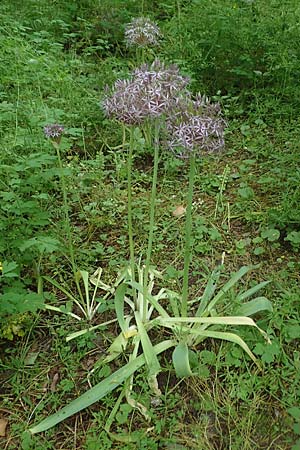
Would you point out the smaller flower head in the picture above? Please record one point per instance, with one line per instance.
(142, 32)
(53, 131)
(195, 128)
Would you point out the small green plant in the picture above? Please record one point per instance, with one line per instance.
(295, 413)
(24, 242)
(293, 237)
(88, 305)
(187, 333)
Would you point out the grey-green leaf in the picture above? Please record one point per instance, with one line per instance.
(254, 306)
(99, 391)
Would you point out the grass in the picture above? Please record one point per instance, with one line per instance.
(245, 204)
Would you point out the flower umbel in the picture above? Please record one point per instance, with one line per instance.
(53, 131)
(196, 127)
(142, 32)
(152, 91)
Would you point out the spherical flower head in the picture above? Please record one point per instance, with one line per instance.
(150, 93)
(142, 32)
(196, 127)
(53, 131)
(166, 79)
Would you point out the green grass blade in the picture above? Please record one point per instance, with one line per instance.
(99, 391)
(114, 411)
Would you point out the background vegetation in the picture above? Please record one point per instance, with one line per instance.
(55, 60)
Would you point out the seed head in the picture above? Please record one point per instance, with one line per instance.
(152, 91)
(53, 131)
(195, 127)
(142, 32)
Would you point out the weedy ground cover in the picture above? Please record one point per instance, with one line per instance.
(73, 314)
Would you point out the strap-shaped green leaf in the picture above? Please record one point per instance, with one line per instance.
(59, 310)
(226, 320)
(67, 293)
(173, 322)
(85, 278)
(231, 337)
(148, 349)
(209, 290)
(244, 295)
(254, 306)
(233, 280)
(150, 297)
(99, 391)
(60, 287)
(119, 305)
(181, 361)
(76, 334)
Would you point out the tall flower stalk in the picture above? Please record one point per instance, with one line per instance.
(129, 203)
(152, 214)
(54, 132)
(195, 129)
(188, 238)
(142, 101)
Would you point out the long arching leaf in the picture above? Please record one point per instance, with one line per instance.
(99, 391)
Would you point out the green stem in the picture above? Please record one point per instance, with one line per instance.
(140, 55)
(147, 131)
(65, 207)
(38, 275)
(187, 238)
(67, 219)
(178, 10)
(129, 212)
(152, 218)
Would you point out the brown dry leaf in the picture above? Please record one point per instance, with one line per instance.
(55, 380)
(3, 425)
(179, 211)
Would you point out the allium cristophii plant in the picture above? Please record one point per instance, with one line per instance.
(53, 131)
(152, 91)
(142, 32)
(196, 127)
